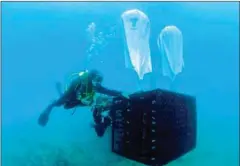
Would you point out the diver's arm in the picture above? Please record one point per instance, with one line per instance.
(100, 89)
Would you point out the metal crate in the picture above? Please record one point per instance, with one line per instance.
(154, 127)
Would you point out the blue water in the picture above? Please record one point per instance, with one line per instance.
(43, 43)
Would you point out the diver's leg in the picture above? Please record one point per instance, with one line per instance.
(44, 116)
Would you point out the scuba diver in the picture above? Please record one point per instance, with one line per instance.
(80, 92)
(101, 114)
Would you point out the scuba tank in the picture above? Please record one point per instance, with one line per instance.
(83, 86)
(86, 91)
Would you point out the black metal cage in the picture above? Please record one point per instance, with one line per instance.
(154, 127)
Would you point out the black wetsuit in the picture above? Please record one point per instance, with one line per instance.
(102, 122)
(69, 99)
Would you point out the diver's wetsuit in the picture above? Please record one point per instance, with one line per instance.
(69, 99)
(102, 122)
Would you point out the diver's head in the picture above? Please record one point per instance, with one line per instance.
(96, 77)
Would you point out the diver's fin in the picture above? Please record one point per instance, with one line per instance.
(43, 118)
(59, 88)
